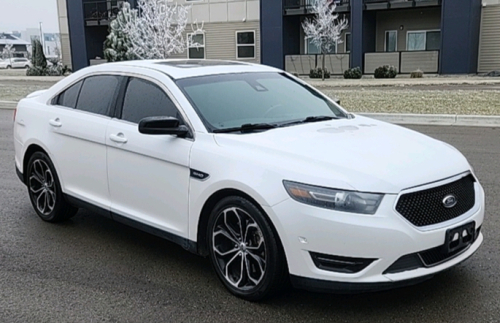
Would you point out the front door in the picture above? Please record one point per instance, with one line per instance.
(148, 175)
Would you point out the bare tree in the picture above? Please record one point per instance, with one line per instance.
(157, 30)
(325, 28)
(7, 52)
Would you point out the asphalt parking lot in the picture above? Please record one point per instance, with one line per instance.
(91, 269)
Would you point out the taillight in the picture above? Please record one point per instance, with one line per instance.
(15, 111)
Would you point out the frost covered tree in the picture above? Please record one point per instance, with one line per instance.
(117, 44)
(37, 56)
(7, 52)
(157, 30)
(325, 28)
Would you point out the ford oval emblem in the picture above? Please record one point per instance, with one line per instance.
(450, 201)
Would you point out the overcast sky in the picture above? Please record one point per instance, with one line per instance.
(22, 14)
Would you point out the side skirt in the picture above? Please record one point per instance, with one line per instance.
(187, 244)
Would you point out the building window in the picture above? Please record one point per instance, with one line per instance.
(245, 44)
(391, 40)
(196, 46)
(433, 40)
(347, 43)
(311, 48)
(423, 40)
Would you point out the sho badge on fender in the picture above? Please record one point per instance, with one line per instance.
(199, 175)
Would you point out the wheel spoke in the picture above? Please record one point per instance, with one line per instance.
(39, 206)
(227, 274)
(249, 273)
(47, 175)
(36, 191)
(228, 226)
(35, 177)
(226, 252)
(257, 258)
(38, 172)
(225, 234)
(51, 199)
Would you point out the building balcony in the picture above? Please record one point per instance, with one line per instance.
(399, 4)
(100, 13)
(304, 7)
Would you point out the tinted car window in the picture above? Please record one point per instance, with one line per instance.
(97, 93)
(69, 97)
(145, 99)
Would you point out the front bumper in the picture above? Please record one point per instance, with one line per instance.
(384, 237)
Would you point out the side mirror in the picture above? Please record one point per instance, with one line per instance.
(162, 126)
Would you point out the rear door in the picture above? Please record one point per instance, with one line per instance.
(148, 174)
(77, 122)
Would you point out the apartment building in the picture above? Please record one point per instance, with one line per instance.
(232, 29)
(436, 36)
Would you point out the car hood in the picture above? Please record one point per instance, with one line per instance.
(358, 154)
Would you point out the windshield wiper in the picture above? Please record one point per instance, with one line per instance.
(319, 118)
(247, 127)
(310, 119)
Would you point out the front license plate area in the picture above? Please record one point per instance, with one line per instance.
(460, 237)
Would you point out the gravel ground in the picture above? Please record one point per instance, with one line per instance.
(474, 102)
(15, 91)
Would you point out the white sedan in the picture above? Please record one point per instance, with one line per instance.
(15, 63)
(253, 168)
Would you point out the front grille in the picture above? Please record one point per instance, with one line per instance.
(426, 207)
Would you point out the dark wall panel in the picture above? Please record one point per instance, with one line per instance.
(356, 23)
(77, 34)
(271, 29)
(460, 24)
(291, 39)
(95, 37)
(369, 32)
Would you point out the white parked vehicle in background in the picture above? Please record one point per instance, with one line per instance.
(254, 168)
(16, 62)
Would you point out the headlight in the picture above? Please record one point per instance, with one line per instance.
(329, 198)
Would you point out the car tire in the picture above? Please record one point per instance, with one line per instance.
(244, 250)
(9, 67)
(45, 190)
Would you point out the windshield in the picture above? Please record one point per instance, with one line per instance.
(233, 100)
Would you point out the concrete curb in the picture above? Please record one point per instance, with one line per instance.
(437, 119)
(8, 105)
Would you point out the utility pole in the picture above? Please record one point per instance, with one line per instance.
(42, 39)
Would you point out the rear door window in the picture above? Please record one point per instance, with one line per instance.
(69, 97)
(98, 93)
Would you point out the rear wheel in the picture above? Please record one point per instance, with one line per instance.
(9, 67)
(245, 252)
(45, 191)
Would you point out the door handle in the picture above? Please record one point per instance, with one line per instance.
(119, 138)
(55, 122)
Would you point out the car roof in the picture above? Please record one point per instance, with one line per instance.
(184, 68)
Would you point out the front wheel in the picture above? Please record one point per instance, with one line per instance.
(244, 250)
(45, 191)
